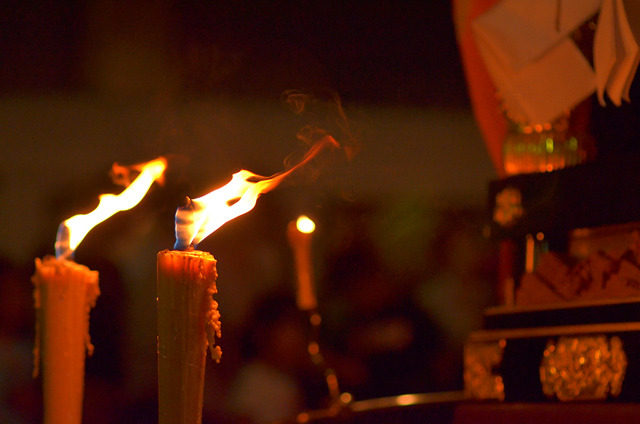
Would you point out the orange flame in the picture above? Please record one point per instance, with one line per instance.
(74, 229)
(202, 216)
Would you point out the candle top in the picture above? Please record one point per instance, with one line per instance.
(191, 252)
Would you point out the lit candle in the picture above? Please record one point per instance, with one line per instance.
(64, 294)
(300, 234)
(188, 319)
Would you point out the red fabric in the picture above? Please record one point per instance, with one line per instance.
(482, 92)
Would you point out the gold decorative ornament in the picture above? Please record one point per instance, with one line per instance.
(480, 361)
(508, 208)
(583, 368)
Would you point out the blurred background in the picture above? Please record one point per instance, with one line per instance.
(401, 265)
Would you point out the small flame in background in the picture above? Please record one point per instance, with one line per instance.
(73, 230)
(201, 217)
(305, 225)
(324, 116)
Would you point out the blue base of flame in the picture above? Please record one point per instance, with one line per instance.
(185, 222)
(63, 250)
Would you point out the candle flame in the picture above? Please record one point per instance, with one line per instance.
(201, 217)
(73, 230)
(305, 225)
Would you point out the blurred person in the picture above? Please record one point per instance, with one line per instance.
(268, 386)
(460, 286)
(375, 322)
(20, 397)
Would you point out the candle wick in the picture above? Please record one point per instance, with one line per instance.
(62, 247)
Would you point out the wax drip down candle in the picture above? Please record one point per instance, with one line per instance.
(64, 293)
(188, 317)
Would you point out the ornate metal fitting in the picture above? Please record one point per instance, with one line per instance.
(581, 368)
(480, 361)
(508, 208)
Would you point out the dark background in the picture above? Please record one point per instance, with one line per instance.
(390, 52)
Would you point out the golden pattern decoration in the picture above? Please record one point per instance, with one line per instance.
(583, 368)
(508, 208)
(480, 361)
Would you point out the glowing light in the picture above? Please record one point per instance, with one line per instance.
(72, 231)
(305, 225)
(549, 144)
(346, 398)
(406, 399)
(202, 216)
